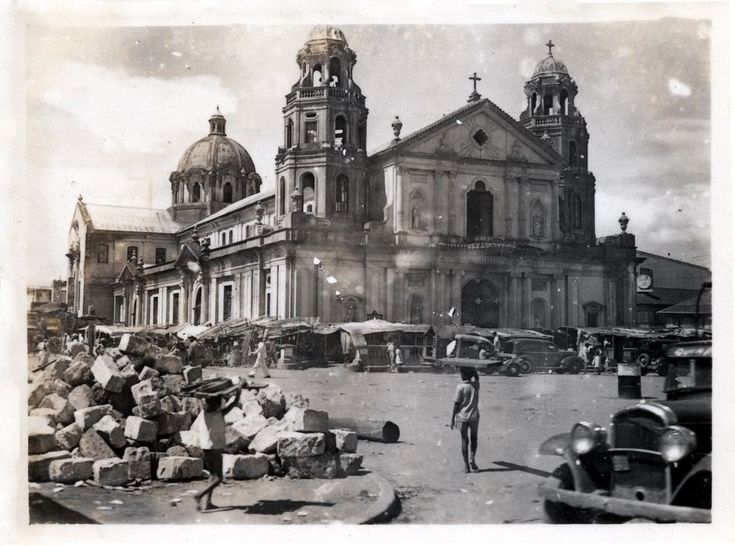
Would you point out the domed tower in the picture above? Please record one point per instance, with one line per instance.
(552, 116)
(213, 172)
(321, 167)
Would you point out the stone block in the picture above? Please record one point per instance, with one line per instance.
(105, 372)
(168, 364)
(247, 395)
(272, 400)
(145, 387)
(56, 369)
(78, 373)
(130, 344)
(81, 397)
(192, 374)
(75, 348)
(41, 438)
(296, 400)
(234, 415)
(87, 417)
(275, 467)
(343, 440)
(39, 421)
(38, 465)
(348, 464)
(244, 467)
(115, 353)
(99, 394)
(139, 463)
(179, 468)
(122, 361)
(69, 436)
(122, 402)
(323, 466)
(177, 451)
(149, 406)
(266, 440)
(71, 470)
(172, 384)
(64, 412)
(83, 357)
(251, 407)
(251, 425)
(36, 393)
(171, 404)
(171, 422)
(111, 472)
(129, 375)
(60, 387)
(140, 430)
(110, 431)
(148, 373)
(300, 444)
(234, 441)
(306, 420)
(189, 440)
(45, 413)
(93, 446)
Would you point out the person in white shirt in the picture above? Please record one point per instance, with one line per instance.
(261, 354)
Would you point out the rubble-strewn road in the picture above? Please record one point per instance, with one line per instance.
(425, 466)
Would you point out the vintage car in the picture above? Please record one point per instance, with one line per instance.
(654, 460)
(478, 352)
(532, 353)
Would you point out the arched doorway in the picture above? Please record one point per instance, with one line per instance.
(198, 306)
(480, 304)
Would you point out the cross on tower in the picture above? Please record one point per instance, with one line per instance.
(474, 95)
(550, 44)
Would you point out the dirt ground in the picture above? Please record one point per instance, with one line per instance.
(425, 466)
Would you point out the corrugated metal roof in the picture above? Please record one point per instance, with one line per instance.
(138, 219)
(689, 307)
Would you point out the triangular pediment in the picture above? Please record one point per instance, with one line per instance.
(127, 274)
(478, 131)
(186, 255)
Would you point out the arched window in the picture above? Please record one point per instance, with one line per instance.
(572, 153)
(282, 197)
(479, 211)
(247, 231)
(307, 192)
(415, 218)
(342, 202)
(564, 102)
(316, 75)
(538, 220)
(289, 133)
(534, 103)
(415, 309)
(230, 236)
(198, 306)
(548, 105)
(186, 193)
(227, 193)
(196, 193)
(340, 131)
(335, 74)
(577, 211)
(223, 239)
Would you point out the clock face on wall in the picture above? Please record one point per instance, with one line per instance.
(644, 281)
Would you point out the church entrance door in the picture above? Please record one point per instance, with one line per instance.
(480, 304)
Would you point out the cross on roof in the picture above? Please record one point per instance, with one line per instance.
(550, 44)
(474, 95)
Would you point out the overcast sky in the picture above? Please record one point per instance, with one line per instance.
(111, 110)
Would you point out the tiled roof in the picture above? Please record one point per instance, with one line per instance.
(137, 219)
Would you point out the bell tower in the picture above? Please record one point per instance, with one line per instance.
(551, 114)
(322, 166)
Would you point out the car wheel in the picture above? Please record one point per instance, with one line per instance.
(525, 363)
(513, 369)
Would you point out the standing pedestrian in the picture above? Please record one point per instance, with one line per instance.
(597, 360)
(211, 432)
(398, 360)
(496, 342)
(261, 354)
(391, 356)
(194, 351)
(91, 334)
(466, 415)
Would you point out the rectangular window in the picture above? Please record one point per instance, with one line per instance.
(133, 253)
(310, 132)
(175, 308)
(226, 302)
(102, 254)
(230, 236)
(153, 316)
(160, 255)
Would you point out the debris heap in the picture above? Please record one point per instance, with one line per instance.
(126, 417)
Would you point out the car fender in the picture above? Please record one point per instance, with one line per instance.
(556, 445)
(560, 445)
(703, 465)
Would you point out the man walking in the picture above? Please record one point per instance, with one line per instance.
(261, 354)
(466, 415)
(391, 356)
(91, 334)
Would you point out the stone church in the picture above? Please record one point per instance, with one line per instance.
(480, 216)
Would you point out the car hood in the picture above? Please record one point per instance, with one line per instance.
(690, 411)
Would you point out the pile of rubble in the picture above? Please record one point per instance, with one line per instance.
(122, 418)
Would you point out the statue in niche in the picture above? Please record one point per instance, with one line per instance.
(415, 218)
(538, 226)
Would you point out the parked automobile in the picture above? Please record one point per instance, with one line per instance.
(532, 353)
(653, 462)
(478, 352)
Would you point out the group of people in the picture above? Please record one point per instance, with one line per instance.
(395, 356)
(594, 354)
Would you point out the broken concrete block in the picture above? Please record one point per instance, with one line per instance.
(41, 438)
(78, 373)
(71, 470)
(140, 430)
(192, 374)
(86, 417)
(300, 444)
(64, 412)
(92, 445)
(139, 463)
(114, 352)
(122, 402)
(172, 384)
(39, 421)
(168, 364)
(147, 373)
(189, 440)
(272, 400)
(234, 441)
(110, 431)
(56, 369)
(81, 397)
(145, 387)
(266, 440)
(36, 393)
(179, 468)
(342, 440)
(348, 464)
(99, 394)
(38, 465)
(177, 451)
(122, 360)
(60, 387)
(68, 437)
(149, 406)
(251, 425)
(306, 420)
(234, 415)
(105, 372)
(170, 403)
(251, 407)
(129, 375)
(130, 344)
(171, 422)
(244, 467)
(323, 466)
(112, 471)
(45, 413)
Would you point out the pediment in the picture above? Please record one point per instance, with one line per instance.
(127, 274)
(186, 255)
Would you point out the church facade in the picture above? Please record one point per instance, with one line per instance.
(480, 213)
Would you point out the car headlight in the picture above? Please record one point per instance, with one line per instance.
(676, 443)
(586, 437)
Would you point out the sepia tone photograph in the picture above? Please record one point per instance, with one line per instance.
(398, 271)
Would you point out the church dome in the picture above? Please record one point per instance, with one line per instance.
(216, 153)
(550, 65)
(320, 33)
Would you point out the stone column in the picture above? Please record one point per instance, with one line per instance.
(560, 302)
(399, 213)
(236, 304)
(522, 219)
(508, 210)
(184, 300)
(514, 304)
(527, 314)
(554, 223)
